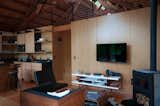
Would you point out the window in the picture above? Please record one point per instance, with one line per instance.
(98, 4)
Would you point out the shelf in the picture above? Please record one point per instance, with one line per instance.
(92, 80)
(43, 42)
(114, 78)
(43, 52)
(9, 35)
(96, 80)
(46, 31)
(8, 44)
(95, 85)
(35, 52)
(8, 52)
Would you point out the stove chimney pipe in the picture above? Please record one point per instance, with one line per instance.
(153, 36)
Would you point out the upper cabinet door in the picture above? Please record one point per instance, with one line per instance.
(21, 39)
(29, 42)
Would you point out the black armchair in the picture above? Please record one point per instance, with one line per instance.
(46, 82)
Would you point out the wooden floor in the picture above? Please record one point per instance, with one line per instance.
(13, 96)
(9, 98)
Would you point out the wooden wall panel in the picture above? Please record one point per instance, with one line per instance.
(158, 39)
(29, 42)
(131, 27)
(91, 51)
(140, 35)
(110, 28)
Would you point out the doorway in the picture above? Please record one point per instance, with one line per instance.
(62, 56)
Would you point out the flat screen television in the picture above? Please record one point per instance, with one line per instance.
(116, 52)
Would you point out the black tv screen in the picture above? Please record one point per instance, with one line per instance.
(112, 52)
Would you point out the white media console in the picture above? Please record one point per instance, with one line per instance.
(109, 82)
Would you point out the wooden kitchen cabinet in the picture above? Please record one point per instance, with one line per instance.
(21, 39)
(27, 70)
(29, 42)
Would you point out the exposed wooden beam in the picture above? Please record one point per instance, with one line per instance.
(12, 9)
(2, 28)
(35, 25)
(48, 16)
(8, 22)
(55, 10)
(72, 10)
(10, 17)
(76, 5)
(99, 13)
(107, 4)
(86, 4)
(52, 12)
(4, 25)
(10, 13)
(33, 15)
(22, 3)
(52, 16)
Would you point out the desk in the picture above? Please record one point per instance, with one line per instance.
(76, 98)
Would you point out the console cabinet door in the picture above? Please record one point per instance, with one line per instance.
(29, 42)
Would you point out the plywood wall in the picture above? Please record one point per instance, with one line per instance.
(132, 27)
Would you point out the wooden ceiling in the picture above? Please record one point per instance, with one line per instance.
(18, 15)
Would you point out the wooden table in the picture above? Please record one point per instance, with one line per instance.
(76, 98)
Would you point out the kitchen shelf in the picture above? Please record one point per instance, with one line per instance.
(14, 44)
(43, 42)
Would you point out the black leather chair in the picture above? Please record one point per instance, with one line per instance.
(46, 81)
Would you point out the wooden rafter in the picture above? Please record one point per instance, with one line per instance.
(107, 4)
(86, 4)
(10, 17)
(12, 9)
(33, 15)
(74, 6)
(22, 14)
(54, 10)
(22, 3)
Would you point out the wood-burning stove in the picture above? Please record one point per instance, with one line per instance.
(146, 87)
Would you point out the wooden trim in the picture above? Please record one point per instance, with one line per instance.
(62, 28)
